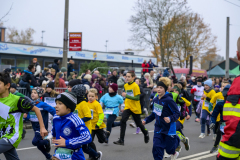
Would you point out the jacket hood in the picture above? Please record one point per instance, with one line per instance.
(27, 71)
(166, 96)
(94, 76)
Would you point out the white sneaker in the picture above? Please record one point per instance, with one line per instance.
(202, 135)
(174, 156)
(49, 136)
(132, 125)
(214, 137)
(166, 155)
(100, 155)
(146, 112)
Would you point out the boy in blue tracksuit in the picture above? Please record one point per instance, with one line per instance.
(166, 113)
(44, 145)
(69, 131)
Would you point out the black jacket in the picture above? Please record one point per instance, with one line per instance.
(142, 96)
(113, 79)
(56, 66)
(28, 76)
(70, 69)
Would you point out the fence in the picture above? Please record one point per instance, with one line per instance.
(2, 67)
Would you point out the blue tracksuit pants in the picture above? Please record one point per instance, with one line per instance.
(163, 141)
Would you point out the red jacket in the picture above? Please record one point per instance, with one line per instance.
(144, 66)
(62, 83)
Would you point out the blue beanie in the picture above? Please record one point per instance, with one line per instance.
(208, 82)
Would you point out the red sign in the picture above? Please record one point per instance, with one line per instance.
(75, 41)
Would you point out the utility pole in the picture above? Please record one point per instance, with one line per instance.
(227, 49)
(106, 45)
(65, 35)
(42, 37)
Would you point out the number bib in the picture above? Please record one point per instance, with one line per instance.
(158, 109)
(64, 153)
(198, 98)
(130, 93)
(206, 103)
(222, 127)
(108, 110)
(33, 117)
(218, 100)
(91, 113)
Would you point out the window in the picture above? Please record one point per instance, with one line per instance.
(5, 61)
(47, 63)
(40, 63)
(22, 63)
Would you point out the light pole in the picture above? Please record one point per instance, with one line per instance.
(106, 45)
(42, 37)
(65, 35)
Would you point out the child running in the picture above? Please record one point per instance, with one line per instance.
(166, 112)
(207, 96)
(132, 107)
(97, 118)
(69, 131)
(112, 101)
(83, 111)
(44, 145)
(11, 127)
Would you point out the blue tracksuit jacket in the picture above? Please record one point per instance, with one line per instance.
(218, 109)
(73, 130)
(44, 109)
(170, 110)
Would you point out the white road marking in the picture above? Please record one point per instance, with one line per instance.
(206, 156)
(21, 149)
(195, 155)
(141, 132)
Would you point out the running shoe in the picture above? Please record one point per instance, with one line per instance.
(214, 149)
(214, 137)
(174, 156)
(99, 155)
(107, 133)
(166, 155)
(48, 146)
(132, 125)
(23, 134)
(209, 133)
(137, 130)
(202, 135)
(146, 112)
(186, 144)
(178, 149)
(119, 142)
(197, 120)
(146, 137)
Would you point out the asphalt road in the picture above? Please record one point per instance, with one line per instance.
(134, 148)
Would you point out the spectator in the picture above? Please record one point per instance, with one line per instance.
(56, 65)
(189, 81)
(45, 70)
(87, 71)
(121, 81)
(47, 78)
(148, 82)
(145, 67)
(73, 83)
(18, 72)
(8, 70)
(152, 75)
(95, 83)
(151, 65)
(194, 82)
(29, 78)
(53, 73)
(103, 83)
(15, 78)
(70, 67)
(217, 82)
(87, 79)
(72, 76)
(217, 88)
(64, 71)
(50, 92)
(113, 78)
(37, 67)
(59, 82)
(166, 72)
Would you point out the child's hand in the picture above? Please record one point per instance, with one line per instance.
(166, 119)
(60, 142)
(96, 127)
(143, 122)
(43, 132)
(211, 112)
(204, 96)
(25, 115)
(124, 94)
(188, 117)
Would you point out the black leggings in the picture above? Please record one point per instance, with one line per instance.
(219, 134)
(111, 123)
(137, 119)
(100, 133)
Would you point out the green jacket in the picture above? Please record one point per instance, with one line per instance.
(19, 94)
(16, 80)
(70, 76)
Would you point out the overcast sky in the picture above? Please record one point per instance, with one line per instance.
(102, 20)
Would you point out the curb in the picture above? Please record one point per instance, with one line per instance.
(29, 125)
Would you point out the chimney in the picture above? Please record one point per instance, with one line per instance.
(2, 34)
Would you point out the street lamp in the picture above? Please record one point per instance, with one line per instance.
(42, 37)
(106, 45)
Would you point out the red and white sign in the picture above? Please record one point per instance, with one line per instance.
(75, 41)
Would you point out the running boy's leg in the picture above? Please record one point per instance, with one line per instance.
(8, 150)
(218, 138)
(138, 122)
(92, 145)
(125, 116)
(40, 143)
(203, 120)
(110, 122)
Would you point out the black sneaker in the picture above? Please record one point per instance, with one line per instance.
(119, 142)
(146, 137)
(187, 146)
(214, 149)
(48, 147)
(23, 134)
(107, 136)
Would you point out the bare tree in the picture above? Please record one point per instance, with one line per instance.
(5, 15)
(149, 21)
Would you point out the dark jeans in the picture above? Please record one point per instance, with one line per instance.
(111, 123)
(101, 135)
(219, 134)
(205, 113)
(137, 119)
(88, 149)
(40, 143)
(8, 150)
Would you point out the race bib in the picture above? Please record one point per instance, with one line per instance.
(50, 101)
(130, 93)
(198, 98)
(222, 127)
(179, 107)
(218, 100)
(108, 110)
(33, 117)
(158, 109)
(206, 103)
(64, 154)
(75, 112)
(91, 113)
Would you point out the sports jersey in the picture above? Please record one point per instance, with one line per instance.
(215, 99)
(96, 109)
(198, 92)
(206, 103)
(84, 111)
(12, 128)
(132, 90)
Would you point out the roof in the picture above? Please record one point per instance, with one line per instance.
(218, 71)
(236, 71)
(232, 59)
